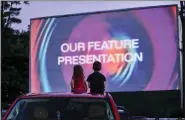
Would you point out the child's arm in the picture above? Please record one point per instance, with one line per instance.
(85, 86)
(72, 84)
(104, 82)
(88, 81)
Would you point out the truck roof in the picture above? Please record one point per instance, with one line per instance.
(75, 95)
(59, 94)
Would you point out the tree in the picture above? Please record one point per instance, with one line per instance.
(15, 50)
(9, 14)
(10, 11)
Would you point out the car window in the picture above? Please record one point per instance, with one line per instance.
(61, 109)
(15, 111)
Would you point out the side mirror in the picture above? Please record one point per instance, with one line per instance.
(121, 109)
(124, 116)
(139, 118)
(3, 113)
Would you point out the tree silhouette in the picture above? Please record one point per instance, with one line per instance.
(15, 52)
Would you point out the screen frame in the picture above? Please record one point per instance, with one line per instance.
(105, 11)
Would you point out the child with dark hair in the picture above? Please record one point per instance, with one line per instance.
(96, 80)
(78, 83)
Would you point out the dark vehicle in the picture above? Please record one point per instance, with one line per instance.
(63, 106)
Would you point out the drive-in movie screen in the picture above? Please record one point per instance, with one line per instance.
(138, 49)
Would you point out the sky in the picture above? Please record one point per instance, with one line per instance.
(51, 8)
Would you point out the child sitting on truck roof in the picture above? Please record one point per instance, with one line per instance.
(78, 84)
(96, 80)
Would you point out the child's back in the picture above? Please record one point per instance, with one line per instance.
(96, 80)
(78, 83)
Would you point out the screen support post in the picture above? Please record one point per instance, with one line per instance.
(182, 17)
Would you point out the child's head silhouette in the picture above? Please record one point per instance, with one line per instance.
(96, 66)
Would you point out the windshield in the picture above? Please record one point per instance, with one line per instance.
(61, 109)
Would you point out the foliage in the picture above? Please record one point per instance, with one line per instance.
(15, 50)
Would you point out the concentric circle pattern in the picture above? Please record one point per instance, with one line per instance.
(155, 28)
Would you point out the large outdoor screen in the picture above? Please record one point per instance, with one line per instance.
(138, 49)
